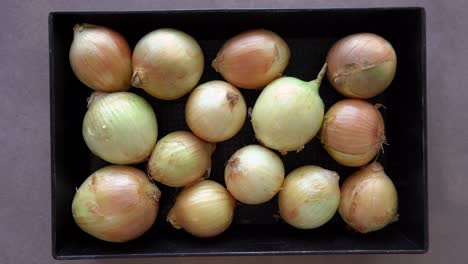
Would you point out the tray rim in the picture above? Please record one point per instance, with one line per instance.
(423, 70)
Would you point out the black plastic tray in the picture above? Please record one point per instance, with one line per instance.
(256, 229)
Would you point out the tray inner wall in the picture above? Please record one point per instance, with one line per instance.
(256, 229)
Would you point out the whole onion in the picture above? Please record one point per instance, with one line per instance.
(252, 59)
(167, 63)
(288, 113)
(353, 132)
(180, 158)
(254, 174)
(369, 200)
(215, 111)
(309, 197)
(361, 65)
(116, 204)
(205, 209)
(120, 128)
(101, 58)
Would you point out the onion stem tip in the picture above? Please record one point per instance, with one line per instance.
(320, 75)
(136, 80)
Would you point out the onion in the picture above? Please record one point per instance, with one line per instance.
(288, 113)
(254, 174)
(369, 200)
(180, 158)
(204, 209)
(101, 58)
(215, 111)
(353, 132)
(361, 65)
(309, 197)
(116, 204)
(252, 59)
(167, 63)
(120, 128)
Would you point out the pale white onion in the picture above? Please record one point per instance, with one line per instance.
(369, 200)
(180, 158)
(167, 63)
(215, 111)
(288, 113)
(309, 197)
(252, 59)
(116, 204)
(254, 174)
(101, 58)
(120, 128)
(353, 132)
(205, 209)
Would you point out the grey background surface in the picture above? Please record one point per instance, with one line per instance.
(24, 127)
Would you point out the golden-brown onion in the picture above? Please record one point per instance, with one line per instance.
(353, 132)
(167, 63)
(205, 209)
(252, 59)
(361, 65)
(180, 158)
(309, 197)
(369, 200)
(116, 204)
(101, 58)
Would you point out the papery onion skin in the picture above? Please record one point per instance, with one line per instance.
(120, 128)
(369, 199)
(204, 209)
(116, 204)
(167, 63)
(252, 59)
(101, 58)
(180, 158)
(215, 111)
(309, 197)
(353, 132)
(288, 113)
(254, 174)
(361, 65)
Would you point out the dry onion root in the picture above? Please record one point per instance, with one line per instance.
(204, 209)
(252, 59)
(361, 65)
(353, 132)
(309, 197)
(180, 158)
(116, 204)
(167, 63)
(101, 58)
(369, 200)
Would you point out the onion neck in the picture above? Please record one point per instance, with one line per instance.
(234, 162)
(95, 96)
(137, 79)
(81, 27)
(232, 98)
(215, 64)
(172, 220)
(320, 76)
